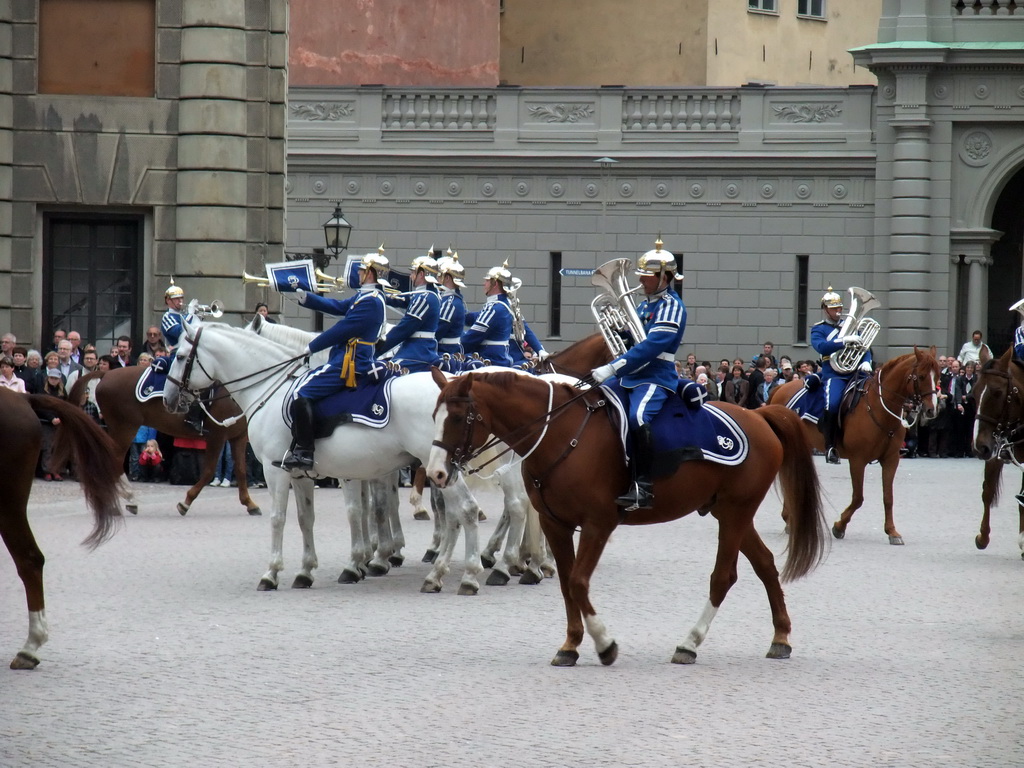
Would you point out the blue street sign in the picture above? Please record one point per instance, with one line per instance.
(567, 272)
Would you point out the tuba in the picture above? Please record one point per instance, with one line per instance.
(849, 357)
(613, 308)
(518, 324)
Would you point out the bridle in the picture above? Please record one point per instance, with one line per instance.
(911, 405)
(1006, 434)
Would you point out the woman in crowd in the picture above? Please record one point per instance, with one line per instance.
(54, 386)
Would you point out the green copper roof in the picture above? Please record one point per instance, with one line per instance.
(927, 44)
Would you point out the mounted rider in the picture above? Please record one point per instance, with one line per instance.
(172, 325)
(351, 340)
(490, 329)
(452, 313)
(414, 336)
(647, 370)
(827, 341)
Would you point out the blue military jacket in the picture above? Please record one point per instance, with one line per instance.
(353, 338)
(516, 352)
(171, 325)
(825, 340)
(414, 334)
(490, 331)
(653, 360)
(451, 321)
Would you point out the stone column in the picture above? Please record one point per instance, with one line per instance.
(6, 159)
(975, 246)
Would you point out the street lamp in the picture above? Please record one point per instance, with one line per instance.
(337, 232)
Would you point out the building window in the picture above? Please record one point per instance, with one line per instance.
(812, 8)
(555, 295)
(764, 6)
(98, 48)
(800, 320)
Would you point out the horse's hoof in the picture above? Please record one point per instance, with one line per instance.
(896, 541)
(609, 654)
(529, 579)
(481, 516)
(684, 656)
(133, 508)
(24, 660)
(182, 509)
(430, 588)
(548, 571)
(429, 556)
(266, 585)
(565, 659)
(468, 589)
(497, 579)
(838, 532)
(376, 570)
(302, 581)
(349, 577)
(421, 514)
(254, 511)
(487, 561)
(779, 651)
(396, 560)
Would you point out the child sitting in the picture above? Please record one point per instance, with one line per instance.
(151, 463)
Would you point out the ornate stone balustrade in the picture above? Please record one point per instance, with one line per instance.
(988, 7)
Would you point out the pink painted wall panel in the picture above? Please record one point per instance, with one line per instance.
(394, 42)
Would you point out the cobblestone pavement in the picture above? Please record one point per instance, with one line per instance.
(162, 652)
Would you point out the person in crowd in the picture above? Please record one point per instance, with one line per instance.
(974, 349)
(33, 362)
(54, 386)
(7, 344)
(352, 341)
(21, 369)
(826, 341)
(58, 336)
(151, 461)
(765, 389)
(647, 371)
(144, 360)
(768, 354)
(123, 349)
(50, 363)
(76, 346)
(7, 378)
(264, 310)
(756, 378)
(963, 392)
(786, 372)
(66, 365)
(224, 472)
(154, 341)
(105, 363)
(737, 388)
(709, 384)
(690, 368)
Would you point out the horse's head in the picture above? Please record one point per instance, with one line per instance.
(924, 380)
(459, 428)
(186, 376)
(998, 394)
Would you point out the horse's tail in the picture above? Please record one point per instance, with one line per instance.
(78, 390)
(98, 465)
(801, 493)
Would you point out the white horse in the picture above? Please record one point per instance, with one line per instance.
(525, 552)
(257, 373)
(372, 506)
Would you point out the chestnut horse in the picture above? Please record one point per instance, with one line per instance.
(574, 465)
(875, 428)
(997, 431)
(124, 414)
(97, 468)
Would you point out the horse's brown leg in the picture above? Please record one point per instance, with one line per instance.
(213, 447)
(560, 540)
(416, 497)
(28, 559)
(238, 444)
(593, 538)
(993, 473)
(890, 463)
(722, 579)
(856, 501)
(763, 562)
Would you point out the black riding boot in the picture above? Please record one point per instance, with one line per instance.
(830, 432)
(300, 455)
(194, 417)
(641, 492)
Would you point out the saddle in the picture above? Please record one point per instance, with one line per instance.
(369, 404)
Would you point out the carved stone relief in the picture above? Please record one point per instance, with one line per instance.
(808, 113)
(322, 110)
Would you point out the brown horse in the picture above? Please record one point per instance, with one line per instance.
(97, 469)
(579, 358)
(574, 468)
(874, 429)
(124, 414)
(997, 435)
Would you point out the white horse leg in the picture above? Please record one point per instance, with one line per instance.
(129, 499)
(384, 492)
(440, 525)
(356, 500)
(303, 490)
(686, 652)
(487, 556)
(278, 482)
(460, 507)
(535, 544)
(38, 633)
(396, 558)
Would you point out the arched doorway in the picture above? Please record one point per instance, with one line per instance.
(1006, 275)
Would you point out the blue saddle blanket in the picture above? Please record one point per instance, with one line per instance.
(368, 404)
(150, 385)
(687, 429)
(809, 400)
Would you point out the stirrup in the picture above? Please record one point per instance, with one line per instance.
(831, 457)
(298, 459)
(1020, 499)
(637, 497)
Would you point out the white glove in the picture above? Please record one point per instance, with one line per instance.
(853, 338)
(602, 373)
(866, 367)
(306, 353)
(300, 294)
(543, 355)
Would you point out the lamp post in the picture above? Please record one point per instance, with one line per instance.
(337, 232)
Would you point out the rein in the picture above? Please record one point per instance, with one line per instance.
(915, 400)
(1006, 434)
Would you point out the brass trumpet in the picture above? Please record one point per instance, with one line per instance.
(326, 283)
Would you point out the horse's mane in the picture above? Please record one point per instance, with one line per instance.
(246, 336)
(283, 334)
(507, 380)
(910, 357)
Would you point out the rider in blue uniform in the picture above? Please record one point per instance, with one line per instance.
(414, 336)
(648, 370)
(351, 340)
(452, 314)
(491, 328)
(826, 341)
(1018, 335)
(172, 325)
